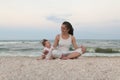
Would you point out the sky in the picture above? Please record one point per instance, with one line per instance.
(39, 19)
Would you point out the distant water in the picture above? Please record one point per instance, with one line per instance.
(34, 47)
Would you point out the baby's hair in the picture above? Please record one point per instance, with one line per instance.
(43, 41)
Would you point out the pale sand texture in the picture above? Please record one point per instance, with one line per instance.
(84, 68)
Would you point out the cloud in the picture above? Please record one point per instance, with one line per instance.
(58, 18)
(55, 19)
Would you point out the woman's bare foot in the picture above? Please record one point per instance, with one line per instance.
(64, 58)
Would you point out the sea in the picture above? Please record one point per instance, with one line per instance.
(33, 48)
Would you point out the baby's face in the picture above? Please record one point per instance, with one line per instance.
(47, 44)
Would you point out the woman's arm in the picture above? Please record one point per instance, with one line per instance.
(75, 45)
(56, 41)
(74, 42)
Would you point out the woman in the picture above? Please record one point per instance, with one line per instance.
(64, 41)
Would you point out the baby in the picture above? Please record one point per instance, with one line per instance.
(47, 51)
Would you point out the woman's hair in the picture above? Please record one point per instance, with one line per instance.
(69, 26)
(43, 41)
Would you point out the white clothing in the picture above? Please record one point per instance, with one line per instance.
(64, 44)
(48, 56)
(64, 47)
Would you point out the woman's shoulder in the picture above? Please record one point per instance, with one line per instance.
(72, 37)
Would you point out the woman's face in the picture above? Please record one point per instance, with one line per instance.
(64, 29)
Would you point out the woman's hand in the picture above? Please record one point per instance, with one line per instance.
(83, 49)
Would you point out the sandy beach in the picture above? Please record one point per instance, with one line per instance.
(83, 68)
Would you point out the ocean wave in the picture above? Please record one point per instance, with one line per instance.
(4, 43)
(4, 49)
(18, 42)
(26, 49)
(34, 47)
(103, 50)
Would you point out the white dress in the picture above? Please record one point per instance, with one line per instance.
(64, 47)
(48, 56)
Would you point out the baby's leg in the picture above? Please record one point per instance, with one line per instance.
(52, 57)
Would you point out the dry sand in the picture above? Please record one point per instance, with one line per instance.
(84, 68)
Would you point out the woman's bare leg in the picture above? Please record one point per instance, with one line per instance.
(73, 55)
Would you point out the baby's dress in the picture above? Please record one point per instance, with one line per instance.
(48, 56)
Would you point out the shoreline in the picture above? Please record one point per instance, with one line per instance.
(71, 59)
